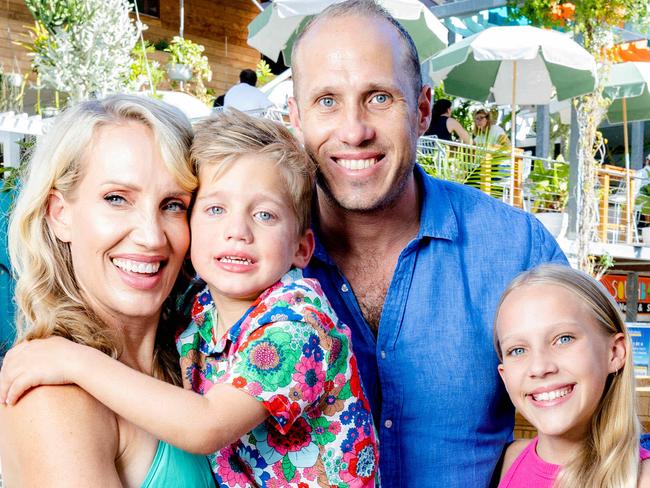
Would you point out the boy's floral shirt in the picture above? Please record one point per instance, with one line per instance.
(291, 353)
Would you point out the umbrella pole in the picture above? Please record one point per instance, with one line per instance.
(513, 122)
(628, 193)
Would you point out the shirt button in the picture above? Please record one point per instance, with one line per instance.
(383, 354)
(344, 288)
(388, 424)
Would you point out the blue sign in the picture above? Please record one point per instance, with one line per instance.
(640, 338)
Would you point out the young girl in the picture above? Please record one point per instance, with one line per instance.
(566, 361)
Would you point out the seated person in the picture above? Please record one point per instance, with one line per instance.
(443, 125)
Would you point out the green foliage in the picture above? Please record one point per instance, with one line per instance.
(161, 44)
(643, 200)
(263, 71)
(11, 175)
(138, 75)
(184, 51)
(550, 187)
(57, 14)
(482, 168)
(583, 17)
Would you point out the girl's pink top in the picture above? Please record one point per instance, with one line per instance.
(530, 471)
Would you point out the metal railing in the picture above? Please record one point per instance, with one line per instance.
(539, 185)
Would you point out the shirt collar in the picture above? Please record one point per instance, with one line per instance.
(437, 217)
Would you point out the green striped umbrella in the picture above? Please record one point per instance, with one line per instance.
(627, 87)
(514, 64)
(627, 84)
(482, 66)
(275, 29)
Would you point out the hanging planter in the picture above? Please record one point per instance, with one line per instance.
(14, 80)
(179, 72)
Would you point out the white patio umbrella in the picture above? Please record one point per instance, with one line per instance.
(514, 65)
(627, 87)
(275, 29)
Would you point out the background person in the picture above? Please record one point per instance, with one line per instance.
(413, 265)
(245, 95)
(566, 361)
(97, 237)
(485, 132)
(443, 125)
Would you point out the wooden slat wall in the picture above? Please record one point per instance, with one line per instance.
(14, 16)
(220, 25)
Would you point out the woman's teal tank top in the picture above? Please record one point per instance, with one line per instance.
(174, 467)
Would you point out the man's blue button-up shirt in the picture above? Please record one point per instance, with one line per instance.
(431, 372)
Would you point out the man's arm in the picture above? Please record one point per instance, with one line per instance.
(58, 437)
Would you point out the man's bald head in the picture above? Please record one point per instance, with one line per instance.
(368, 9)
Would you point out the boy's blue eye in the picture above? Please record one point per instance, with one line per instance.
(565, 339)
(516, 351)
(264, 216)
(215, 210)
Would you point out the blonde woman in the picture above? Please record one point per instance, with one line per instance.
(566, 361)
(97, 238)
(485, 133)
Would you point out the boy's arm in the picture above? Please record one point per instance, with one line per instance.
(195, 423)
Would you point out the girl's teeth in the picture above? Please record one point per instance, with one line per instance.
(548, 396)
(136, 266)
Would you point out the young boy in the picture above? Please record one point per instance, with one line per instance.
(283, 403)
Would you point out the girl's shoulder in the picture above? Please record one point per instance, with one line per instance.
(644, 473)
(60, 426)
(513, 451)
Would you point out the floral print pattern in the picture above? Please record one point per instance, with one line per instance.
(291, 353)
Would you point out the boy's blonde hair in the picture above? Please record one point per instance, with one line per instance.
(47, 295)
(221, 139)
(609, 457)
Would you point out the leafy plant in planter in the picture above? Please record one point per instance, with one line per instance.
(185, 52)
(139, 74)
(87, 49)
(549, 188)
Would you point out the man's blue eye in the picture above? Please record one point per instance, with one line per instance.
(326, 102)
(215, 210)
(380, 98)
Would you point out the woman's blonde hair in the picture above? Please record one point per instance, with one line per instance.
(48, 298)
(221, 139)
(609, 457)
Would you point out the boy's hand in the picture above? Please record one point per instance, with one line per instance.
(33, 363)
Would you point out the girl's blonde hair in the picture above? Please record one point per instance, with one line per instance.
(609, 457)
(48, 298)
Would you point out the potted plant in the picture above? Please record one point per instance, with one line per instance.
(549, 192)
(642, 204)
(186, 60)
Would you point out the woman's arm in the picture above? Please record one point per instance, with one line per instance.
(195, 423)
(454, 126)
(58, 437)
